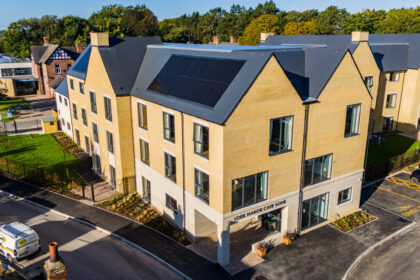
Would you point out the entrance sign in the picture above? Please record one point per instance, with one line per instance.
(258, 211)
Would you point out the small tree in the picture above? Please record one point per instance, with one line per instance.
(264, 23)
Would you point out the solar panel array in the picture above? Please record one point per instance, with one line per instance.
(201, 80)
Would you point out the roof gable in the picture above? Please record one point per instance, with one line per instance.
(37, 52)
(390, 57)
(62, 88)
(79, 68)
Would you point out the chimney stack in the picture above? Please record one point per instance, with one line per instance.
(99, 39)
(216, 40)
(264, 36)
(80, 47)
(55, 268)
(360, 36)
(232, 39)
(46, 41)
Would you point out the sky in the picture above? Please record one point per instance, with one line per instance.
(12, 10)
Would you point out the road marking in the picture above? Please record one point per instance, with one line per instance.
(405, 207)
(403, 183)
(411, 212)
(418, 201)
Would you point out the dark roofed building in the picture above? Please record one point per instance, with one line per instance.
(50, 62)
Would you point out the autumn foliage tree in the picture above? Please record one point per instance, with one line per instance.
(262, 24)
(300, 28)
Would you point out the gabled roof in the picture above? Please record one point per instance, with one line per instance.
(390, 57)
(209, 82)
(79, 68)
(37, 52)
(122, 60)
(62, 88)
(309, 69)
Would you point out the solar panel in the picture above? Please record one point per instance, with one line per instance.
(198, 79)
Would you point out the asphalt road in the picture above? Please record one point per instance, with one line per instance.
(88, 253)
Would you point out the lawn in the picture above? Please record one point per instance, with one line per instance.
(39, 151)
(391, 145)
(6, 104)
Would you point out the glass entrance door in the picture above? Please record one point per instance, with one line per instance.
(314, 211)
(272, 220)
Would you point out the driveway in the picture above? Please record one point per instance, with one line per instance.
(88, 254)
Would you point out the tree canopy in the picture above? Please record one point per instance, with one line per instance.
(239, 22)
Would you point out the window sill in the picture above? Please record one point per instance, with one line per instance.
(148, 164)
(170, 179)
(344, 202)
(279, 153)
(351, 135)
(143, 128)
(169, 141)
(201, 155)
(202, 200)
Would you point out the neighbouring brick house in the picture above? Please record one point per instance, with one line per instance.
(50, 63)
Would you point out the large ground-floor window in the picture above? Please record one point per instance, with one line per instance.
(249, 190)
(315, 211)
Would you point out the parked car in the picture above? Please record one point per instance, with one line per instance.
(18, 241)
(415, 176)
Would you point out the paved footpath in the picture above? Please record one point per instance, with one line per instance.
(168, 250)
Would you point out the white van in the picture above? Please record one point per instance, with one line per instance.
(17, 241)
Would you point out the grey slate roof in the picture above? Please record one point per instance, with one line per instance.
(390, 57)
(79, 68)
(62, 88)
(37, 52)
(334, 42)
(309, 69)
(122, 60)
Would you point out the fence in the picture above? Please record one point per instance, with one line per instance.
(15, 127)
(382, 169)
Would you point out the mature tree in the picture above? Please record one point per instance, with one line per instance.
(401, 21)
(264, 23)
(307, 15)
(208, 24)
(234, 22)
(268, 8)
(20, 35)
(368, 20)
(171, 31)
(108, 19)
(74, 29)
(139, 21)
(49, 27)
(2, 50)
(332, 20)
(300, 28)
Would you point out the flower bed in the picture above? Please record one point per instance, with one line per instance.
(66, 142)
(135, 208)
(352, 221)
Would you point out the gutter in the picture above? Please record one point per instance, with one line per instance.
(302, 169)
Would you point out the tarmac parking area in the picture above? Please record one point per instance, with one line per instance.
(397, 194)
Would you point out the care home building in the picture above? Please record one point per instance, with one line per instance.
(225, 136)
(220, 137)
(390, 65)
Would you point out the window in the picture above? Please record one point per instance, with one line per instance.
(281, 131)
(110, 141)
(63, 123)
(391, 100)
(201, 140)
(57, 69)
(369, 82)
(146, 189)
(92, 102)
(168, 127)
(8, 72)
(249, 190)
(170, 167)
(71, 84)
(95, 132)
(171, 202)
(74, 111)
(68, 126)
(84, 117)
(108, 112)
(96, 161)
(87, 144)
(65, 101)
(142, 115)
(113, 179)
(352, 120)
(82, 90)
(144, 151)
(394, 76)
(318, 169)
(59, 98)
(68, 66)
(77, 137)
(344, 196)
(388, 122)
(314, 211)
(201, 185)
